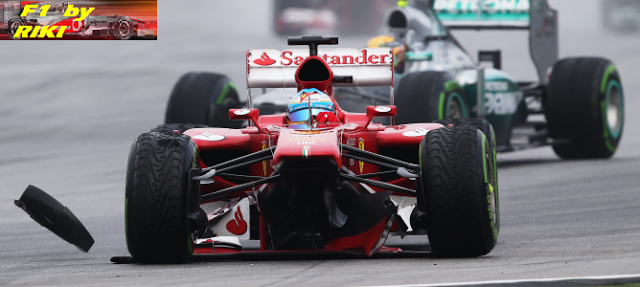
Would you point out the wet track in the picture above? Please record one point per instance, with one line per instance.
(69, 111)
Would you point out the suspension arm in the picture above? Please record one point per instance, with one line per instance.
(239, 187)
(385, 159)
(234, 162)
(380, 184)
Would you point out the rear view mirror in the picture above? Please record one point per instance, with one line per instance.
(379, 112)
(250, 115)
(52, 215)
(244, 114)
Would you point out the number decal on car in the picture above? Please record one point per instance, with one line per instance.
(242, 112)
(419, 132)
(383, 109)
(206, 136)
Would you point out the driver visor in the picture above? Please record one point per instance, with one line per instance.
(302, 116)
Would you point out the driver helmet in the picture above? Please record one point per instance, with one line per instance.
(309, 99)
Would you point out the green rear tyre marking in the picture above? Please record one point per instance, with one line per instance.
(190, 242)
(491, 190)
(604, 104)
(494, 231)
(441, 107)
(225, 92)
(484, 158)
(605, 78)
(495, 164)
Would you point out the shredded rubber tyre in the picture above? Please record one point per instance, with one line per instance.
(457, 191)
(156, 197)
(203, 98)
(427, 96)
(181, 128)
(585, 108)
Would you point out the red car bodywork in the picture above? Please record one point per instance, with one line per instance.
(318, 147)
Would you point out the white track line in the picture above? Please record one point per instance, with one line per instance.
(546, 280)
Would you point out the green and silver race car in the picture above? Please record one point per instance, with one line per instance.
(576, 105)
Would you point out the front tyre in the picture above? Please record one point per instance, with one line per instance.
(585, 108)
(427, 96)
(458, 191)
(156, 197)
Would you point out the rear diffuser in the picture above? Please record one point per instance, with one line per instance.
(52, 215)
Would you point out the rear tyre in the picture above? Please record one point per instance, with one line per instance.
(203, 98)
(156, 197)
(172, 128)
(457, 190)
(427, 96)
(585, 108)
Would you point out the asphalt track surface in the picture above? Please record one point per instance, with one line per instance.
(69, 111)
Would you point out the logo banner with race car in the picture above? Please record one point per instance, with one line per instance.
(78, 20)
(276, 69)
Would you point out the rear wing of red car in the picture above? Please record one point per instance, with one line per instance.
(276, 69)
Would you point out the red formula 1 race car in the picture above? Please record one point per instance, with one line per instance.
(315, 178)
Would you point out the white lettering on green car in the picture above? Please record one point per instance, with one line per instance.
(499, 100)
(492, 10)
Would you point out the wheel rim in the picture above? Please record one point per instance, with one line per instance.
(123, 28)
(14, 27)
(614, 109)
(455, 111)
(454, 107)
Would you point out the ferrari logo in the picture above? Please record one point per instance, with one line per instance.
(303, 97)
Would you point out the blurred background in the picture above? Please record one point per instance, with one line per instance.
(69, 111)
